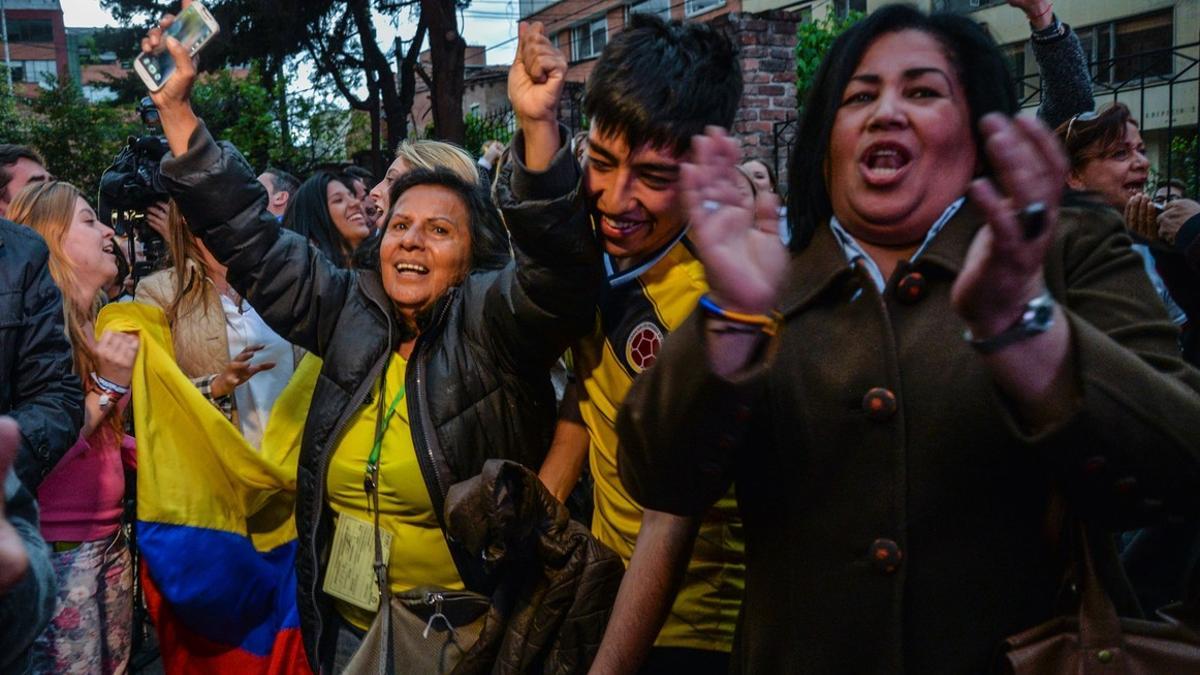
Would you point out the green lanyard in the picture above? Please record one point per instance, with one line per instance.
(372, 469)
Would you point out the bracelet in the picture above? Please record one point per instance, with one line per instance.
(767, 323)
(108, 386)
(1039, 15)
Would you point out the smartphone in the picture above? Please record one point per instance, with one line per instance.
(193, 27)
(1158, 206)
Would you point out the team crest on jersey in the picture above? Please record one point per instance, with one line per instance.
(641, 349)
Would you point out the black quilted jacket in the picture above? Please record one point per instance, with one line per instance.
(478, 379)
(37, 387)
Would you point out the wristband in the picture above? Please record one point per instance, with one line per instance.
(108, 386)
(767, 323)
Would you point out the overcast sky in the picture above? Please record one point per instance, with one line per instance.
(486, 22)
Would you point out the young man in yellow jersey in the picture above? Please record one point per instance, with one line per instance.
(655, 86)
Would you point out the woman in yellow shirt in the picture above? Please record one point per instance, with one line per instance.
(470, 329)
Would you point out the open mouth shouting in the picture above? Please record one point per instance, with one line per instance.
(1135, 187)
(884, 163)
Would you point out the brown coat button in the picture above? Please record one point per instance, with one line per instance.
(911, 287)
(886, 555)
(879, 403)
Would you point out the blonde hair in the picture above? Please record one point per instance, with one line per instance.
(426, 154)
(191, 273)
(48, 208)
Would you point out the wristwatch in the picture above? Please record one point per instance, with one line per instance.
(1037, 318)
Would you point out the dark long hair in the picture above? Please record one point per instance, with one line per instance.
(308, 214)
(980, 66)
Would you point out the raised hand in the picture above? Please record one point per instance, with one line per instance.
(14, 560)
(238, 371)
(535, 83)
(1003, 270)
(115, 356)
(156, 218)
(1141, 217)
(173, 100)
(1039, 12)
(736, 238)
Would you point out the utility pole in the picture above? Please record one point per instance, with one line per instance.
(7, 57)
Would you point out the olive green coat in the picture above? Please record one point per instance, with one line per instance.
(903, 530)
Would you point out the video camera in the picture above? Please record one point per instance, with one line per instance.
(130, 185)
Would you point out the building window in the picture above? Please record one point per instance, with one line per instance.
(661, 8)
(35, 71)
(30, 30)
(694, 7)
(1119, 50)
(589, 39)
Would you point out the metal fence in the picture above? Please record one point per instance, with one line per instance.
(1161, 88)
(570, 113)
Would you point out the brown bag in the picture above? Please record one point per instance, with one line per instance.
(1097, 641)
(425, 630)
(421, 631)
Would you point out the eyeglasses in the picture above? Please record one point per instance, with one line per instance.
(1081, 117)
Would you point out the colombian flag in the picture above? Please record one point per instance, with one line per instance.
(215, 523)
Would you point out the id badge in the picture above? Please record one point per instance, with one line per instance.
(350, 575)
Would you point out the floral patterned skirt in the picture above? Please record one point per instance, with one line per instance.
(93, 616)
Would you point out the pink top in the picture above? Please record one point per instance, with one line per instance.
(81, 499)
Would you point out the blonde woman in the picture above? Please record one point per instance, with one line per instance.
(419, 154)
(81, 498)
(216, 333)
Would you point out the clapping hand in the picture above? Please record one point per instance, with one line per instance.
(1003, 269)
(736, 239)
(1171, 220)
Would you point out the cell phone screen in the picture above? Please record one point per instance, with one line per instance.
(192, 32)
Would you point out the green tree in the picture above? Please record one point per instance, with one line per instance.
(12, 130)
(77, 139)
(241, 111)
(813, 40)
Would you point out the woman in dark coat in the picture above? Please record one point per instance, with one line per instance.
(954, 347)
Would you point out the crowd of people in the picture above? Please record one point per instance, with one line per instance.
(857, 433)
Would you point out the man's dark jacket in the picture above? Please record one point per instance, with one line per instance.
(562, 581)
(477, 380)
(37, 387)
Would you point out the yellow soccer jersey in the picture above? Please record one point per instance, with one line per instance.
(633, 318)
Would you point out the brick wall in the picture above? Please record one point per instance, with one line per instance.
(767, 42)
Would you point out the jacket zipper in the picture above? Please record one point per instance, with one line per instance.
(428, 458)
(359, 396)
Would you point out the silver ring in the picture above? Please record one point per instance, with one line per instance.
(1032, 219)
(710, 205)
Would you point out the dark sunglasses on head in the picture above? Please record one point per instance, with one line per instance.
(1081, 117)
